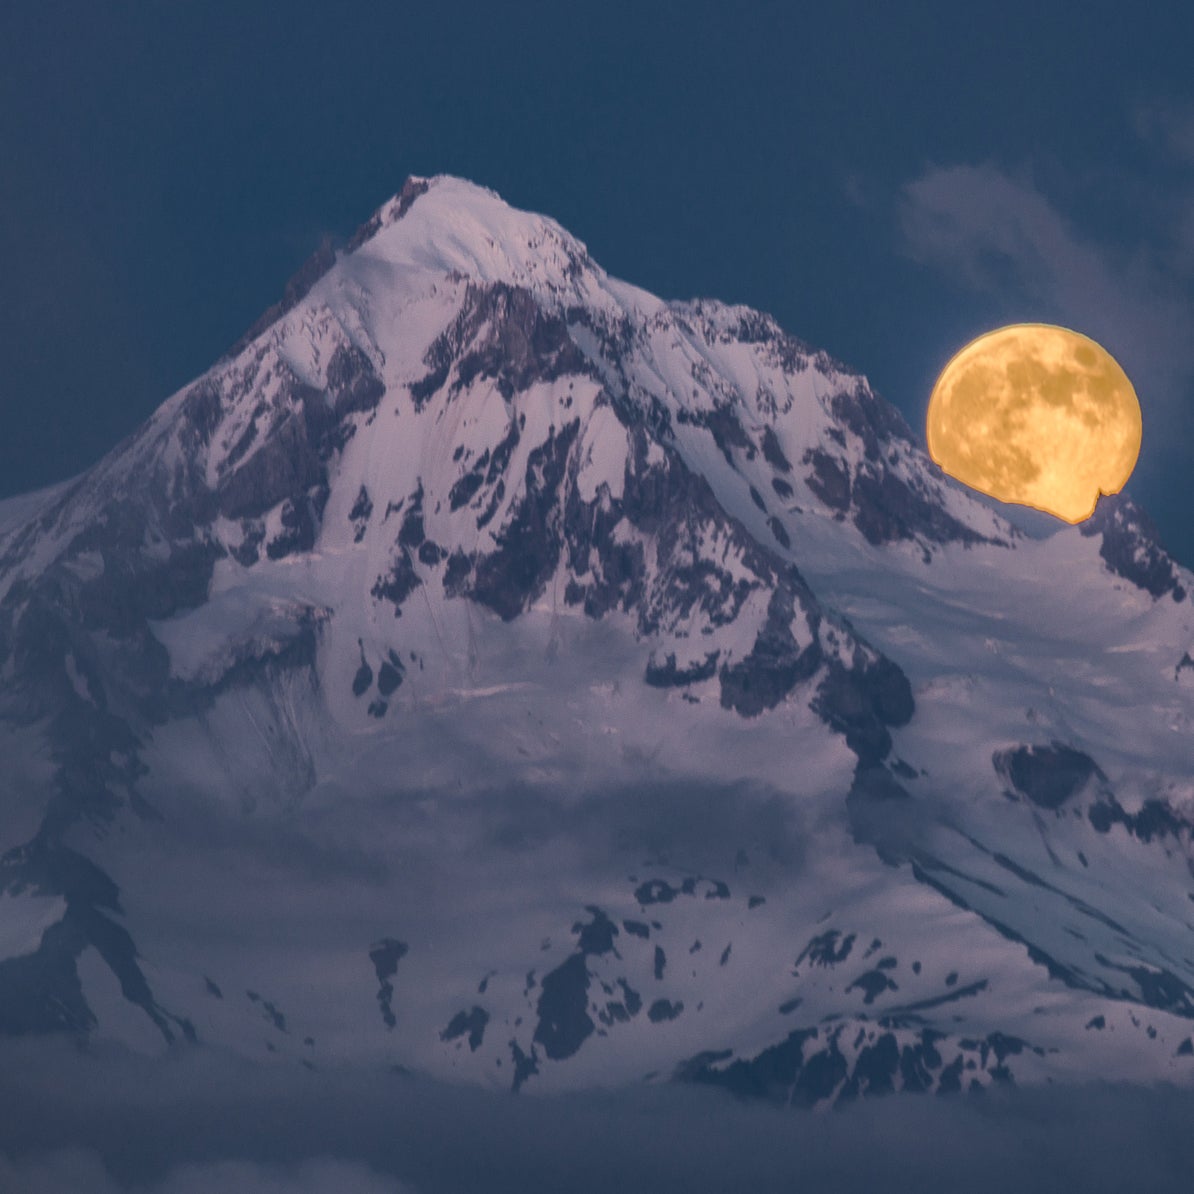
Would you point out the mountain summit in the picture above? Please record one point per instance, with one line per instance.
(490, 668)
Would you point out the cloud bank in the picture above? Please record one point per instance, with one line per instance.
(117, 1124)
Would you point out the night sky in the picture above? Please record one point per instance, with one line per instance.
(887, 180)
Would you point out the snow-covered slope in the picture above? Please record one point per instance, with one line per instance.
(490, 668)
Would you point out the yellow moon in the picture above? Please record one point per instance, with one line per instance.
(1038, 415)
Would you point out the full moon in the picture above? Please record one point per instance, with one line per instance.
(1038, 415)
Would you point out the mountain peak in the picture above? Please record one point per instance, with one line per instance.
(466, 515)
(449, 225)
(460, 229)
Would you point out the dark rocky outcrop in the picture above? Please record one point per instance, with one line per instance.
(668, 675)
(41, 991)
(353, 384)
(862, 701)
(385, 956)
(826, 949)
(776, 662)
(1131, 546)
(809, 1067)
(471, 1024)
(1154, 820)
(514, 575)
(662, 1010)
(564, 1023)
(501, 334)
(1046, 775)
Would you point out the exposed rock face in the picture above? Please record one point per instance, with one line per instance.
(457, 444)
(385, 956)
(841, 1063)
(501, 334)
(1131, 548)
(1047, 775)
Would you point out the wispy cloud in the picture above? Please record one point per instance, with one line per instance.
(1103, 246)
(999, 234)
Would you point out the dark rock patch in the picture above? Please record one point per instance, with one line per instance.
(1046, 775)
(402, 581)
(774, 454)
(1158, 987)
(472, 1023)
(284, 465)
(888, 509)
(353, 384)
(595, 937)
(457, 573)
(1154, 820)
(918, 1061)
(564, 1024)
(660, 963)
(389, 676)
(826, 949)
(636, 928)
(655, 891)
(268, 1010)
(300, 519)
(829, 480)
(875, 1069)
(524, 1066)
(385, 956)
(872, 984)
(41, 992)
(363, 680)
(776, 663)
(668, 675)
(462, 491)
(504, 335)
(876, 782)
(529, 547)
(723, 425)
(921, 1005)
(411, 534)
(663, 1010)
(862, 701)
(622, 1011)
(1131, 546)
(431, 553)
(359, 515)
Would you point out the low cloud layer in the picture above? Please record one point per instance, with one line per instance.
(116, 1124)
(84, 1172)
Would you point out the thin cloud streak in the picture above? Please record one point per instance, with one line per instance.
(999, 235)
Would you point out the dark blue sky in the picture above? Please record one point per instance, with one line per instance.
(888, 180)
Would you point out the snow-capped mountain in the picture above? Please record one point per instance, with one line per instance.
(491, 669)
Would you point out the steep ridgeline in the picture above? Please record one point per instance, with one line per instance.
(464, 407)
(462, 511)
